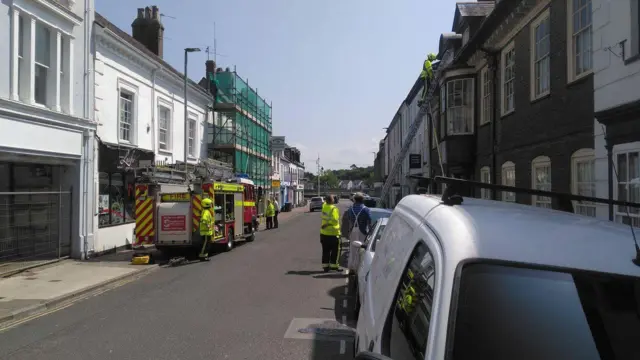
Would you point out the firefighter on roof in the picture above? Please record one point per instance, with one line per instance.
(206, 227)
(426, 75)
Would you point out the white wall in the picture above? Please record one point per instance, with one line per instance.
(614, 82)
(119, 67)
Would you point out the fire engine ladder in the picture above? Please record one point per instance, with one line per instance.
(425, 108)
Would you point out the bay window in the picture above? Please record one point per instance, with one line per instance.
(460, 107)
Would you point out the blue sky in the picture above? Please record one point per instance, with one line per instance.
(335, 70)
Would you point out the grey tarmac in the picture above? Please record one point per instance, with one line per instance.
(264, 300)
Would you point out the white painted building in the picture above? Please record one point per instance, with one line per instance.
(396, 137)
(616, 63)
(46, 129)
(139, 107)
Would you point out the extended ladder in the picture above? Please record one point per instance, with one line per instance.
(425, 108)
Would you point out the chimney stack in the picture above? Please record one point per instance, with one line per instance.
(148, 30)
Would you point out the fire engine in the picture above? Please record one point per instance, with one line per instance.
(168, 209)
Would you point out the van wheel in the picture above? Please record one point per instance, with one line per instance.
(251, 237)
(230, 244)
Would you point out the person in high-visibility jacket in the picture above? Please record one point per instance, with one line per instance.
(426, 75)
(330, 235)
(206, 227)
(270, 213)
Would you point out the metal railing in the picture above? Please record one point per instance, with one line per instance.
(34, 227)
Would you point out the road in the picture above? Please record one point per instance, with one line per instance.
(237, 306)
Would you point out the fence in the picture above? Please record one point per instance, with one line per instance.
(34, 227)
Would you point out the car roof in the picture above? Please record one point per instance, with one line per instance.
(523, 233)
(381, 210)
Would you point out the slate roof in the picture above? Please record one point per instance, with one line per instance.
(104, 23)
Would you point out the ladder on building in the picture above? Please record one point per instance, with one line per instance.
(425, 108)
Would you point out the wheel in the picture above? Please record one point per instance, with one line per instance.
(229, 245)
(251, 237)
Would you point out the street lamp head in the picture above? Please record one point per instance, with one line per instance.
(192, 49)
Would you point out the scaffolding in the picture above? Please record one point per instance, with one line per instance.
(242, 128)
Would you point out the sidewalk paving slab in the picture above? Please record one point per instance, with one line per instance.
(39, 290)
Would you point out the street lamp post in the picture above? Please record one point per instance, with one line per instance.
(186, 112)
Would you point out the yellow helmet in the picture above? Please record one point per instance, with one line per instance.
(206, 203)
(432, 57)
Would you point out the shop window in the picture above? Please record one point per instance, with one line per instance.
(116, 199)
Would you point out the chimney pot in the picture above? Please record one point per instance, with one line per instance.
(147, 13)
(210, 66)
(155, 12)
(140, 13)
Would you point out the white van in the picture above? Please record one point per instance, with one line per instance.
(495, 280)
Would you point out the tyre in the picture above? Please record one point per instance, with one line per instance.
(229, 245)
(251, 237)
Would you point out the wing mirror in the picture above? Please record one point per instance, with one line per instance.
(366, 355)
(357, 243)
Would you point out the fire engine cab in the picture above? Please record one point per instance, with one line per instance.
(168, 214)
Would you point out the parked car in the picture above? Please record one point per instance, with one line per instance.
(316, 203)
(354, 250)
(466, 278)
(367, 251)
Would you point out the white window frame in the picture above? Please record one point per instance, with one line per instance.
(621, 178)
(485, 177)
(541, 162)
(507, 83)
(124, 87)
(507, 167)
(466, 109)
(586, 30)
(486, 98)
(164, 106)
(540, 62)
(192, 126)
(579, 157)
(40, 65)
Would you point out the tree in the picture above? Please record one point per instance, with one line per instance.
(329, 179)
(353, 167)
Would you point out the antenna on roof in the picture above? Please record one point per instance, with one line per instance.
(169, 16)
(636, 260)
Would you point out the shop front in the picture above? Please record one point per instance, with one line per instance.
(275, 191)
(116, 194)
(44, 178)
(299, 194)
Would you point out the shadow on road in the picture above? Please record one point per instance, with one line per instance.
(337, 337)
(304, 272)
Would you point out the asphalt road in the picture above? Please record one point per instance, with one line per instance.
(238, 306)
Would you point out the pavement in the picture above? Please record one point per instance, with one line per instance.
(263, 300)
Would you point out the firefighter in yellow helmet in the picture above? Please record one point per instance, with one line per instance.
(330, 235)
(426, 75)
(206, 227)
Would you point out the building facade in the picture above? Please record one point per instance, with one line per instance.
(617, 105)
(504, 91)
(46, 130)
(139, 106)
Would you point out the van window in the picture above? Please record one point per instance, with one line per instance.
(545, 314)
(411, 312)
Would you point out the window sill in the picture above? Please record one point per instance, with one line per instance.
(505, 114)
(165, 152)
(632, 59)
(484, 123)
(540, 97)
(579, 78)
(127, 144)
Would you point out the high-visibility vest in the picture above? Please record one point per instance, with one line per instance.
(331, 218)
(206, 223)
(271, 210)
(427, 70)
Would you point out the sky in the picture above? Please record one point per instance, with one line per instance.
(336, 71)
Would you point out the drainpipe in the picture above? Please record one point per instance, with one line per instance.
(609, 148)
(153, 110)
(87, 154)
(493, 66)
